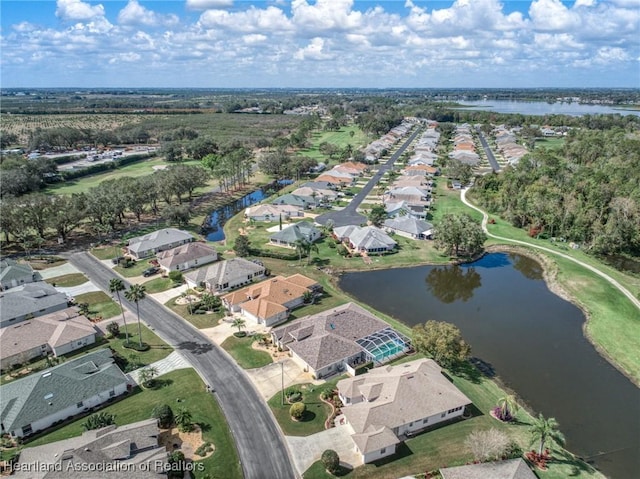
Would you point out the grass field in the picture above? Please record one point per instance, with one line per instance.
(187, 386)
(200, 321)
(550, 143)
(339, 138)
(246, 357)
(68, 280)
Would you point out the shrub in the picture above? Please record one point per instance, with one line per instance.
(164, 415)
(487, 445)
(330, 460)
(113, 329)
(175, 276)
(176, 464)
(204, 449)
(99, 420)
(136, 346)
(297, 410)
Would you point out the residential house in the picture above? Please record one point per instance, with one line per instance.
(340, 339)
(336, 182)
(509, 469)
(289, 236)
(467, 157)
(396, 208)
(421, 170)
(57, 333)
(161, 240)
(269, 302)
(322, 185)
(302, 202)
(351, 168)
(411, 194)
(323, 195)
(14, 274)
(30, 301)
(409, 227)
(187, 256)
(273, 212)
(35, 402)
(225, 275)
(367, 239)
(345, 179)
(392, 402)
(126, 451)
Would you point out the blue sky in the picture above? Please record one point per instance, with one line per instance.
(320, 43)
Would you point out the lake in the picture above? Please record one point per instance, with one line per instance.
(544, 108)
(531, 337)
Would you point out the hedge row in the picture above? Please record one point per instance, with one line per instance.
(273, 254)
(109, 165)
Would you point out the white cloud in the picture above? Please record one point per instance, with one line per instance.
(77, 10)
(552, 15)
(314, 51)
(325, 15)
(135, 14)
(208, 4)
(271, 19)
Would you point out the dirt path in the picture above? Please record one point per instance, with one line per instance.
(609, 279)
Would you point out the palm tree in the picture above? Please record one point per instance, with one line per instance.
(508, 407)
(239, 323)
(115, 286)
(136, 293)
(147, 375)
(302, 246)
(184, 419)
(544, 429)
(312, 247)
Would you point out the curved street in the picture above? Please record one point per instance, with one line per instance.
(348, 215)
(616, 284)
(259, 441)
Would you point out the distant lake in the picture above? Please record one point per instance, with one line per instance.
(532, 338)
(544, 108)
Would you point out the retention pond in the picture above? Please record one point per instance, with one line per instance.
(531, 338)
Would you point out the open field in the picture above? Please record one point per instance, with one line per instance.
(186, 386)
(339, 138)
(550, 143)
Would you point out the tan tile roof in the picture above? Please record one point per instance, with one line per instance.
(263, 308)
(55, 329)
(399, 395)
(302, 280)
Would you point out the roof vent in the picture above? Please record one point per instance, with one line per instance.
(46, 374)
(48, 396)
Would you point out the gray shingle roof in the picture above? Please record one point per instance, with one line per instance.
(408, 224)
(185, 253)
(30, 299)
(330, 336)
(510, 469)
(298, 231)
(224, 271)
(131, 445)
(11, 270)
(157, 239)
(289, 199)
(23, 401)
(367, 237)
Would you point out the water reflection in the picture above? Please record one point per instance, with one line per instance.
(453, 283)
(530, 268)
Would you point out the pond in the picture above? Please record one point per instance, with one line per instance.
(531, 338)
(544, 108)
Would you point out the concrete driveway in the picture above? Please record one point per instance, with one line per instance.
(307, 450)
(268, 379)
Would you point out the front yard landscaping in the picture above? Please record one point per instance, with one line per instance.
(158, 285)
(68, 280)
(316, 412)
(178, 389)
(100, 305)
(188, 312)
(240, 348)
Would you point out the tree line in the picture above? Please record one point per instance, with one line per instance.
(586, 193)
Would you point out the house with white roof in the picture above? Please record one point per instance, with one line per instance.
(367, 239)
(509, 469)
(273, 212)
(225, 275)
(161, 240)
(389, 403)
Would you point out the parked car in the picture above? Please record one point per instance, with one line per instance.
(150, 271)
(117, 259)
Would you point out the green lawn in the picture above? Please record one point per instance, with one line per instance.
(339, 138)
(184, 385)
(315, 416)
(158, 349)
(550, 143)
(246, 357)
(100, 304)
(135, 270)
(200, 321)
(106, 252)
(159, 284)
(68, 280)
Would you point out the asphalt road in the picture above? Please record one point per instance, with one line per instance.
(487, 149)
(259, 441)
(348, 215)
